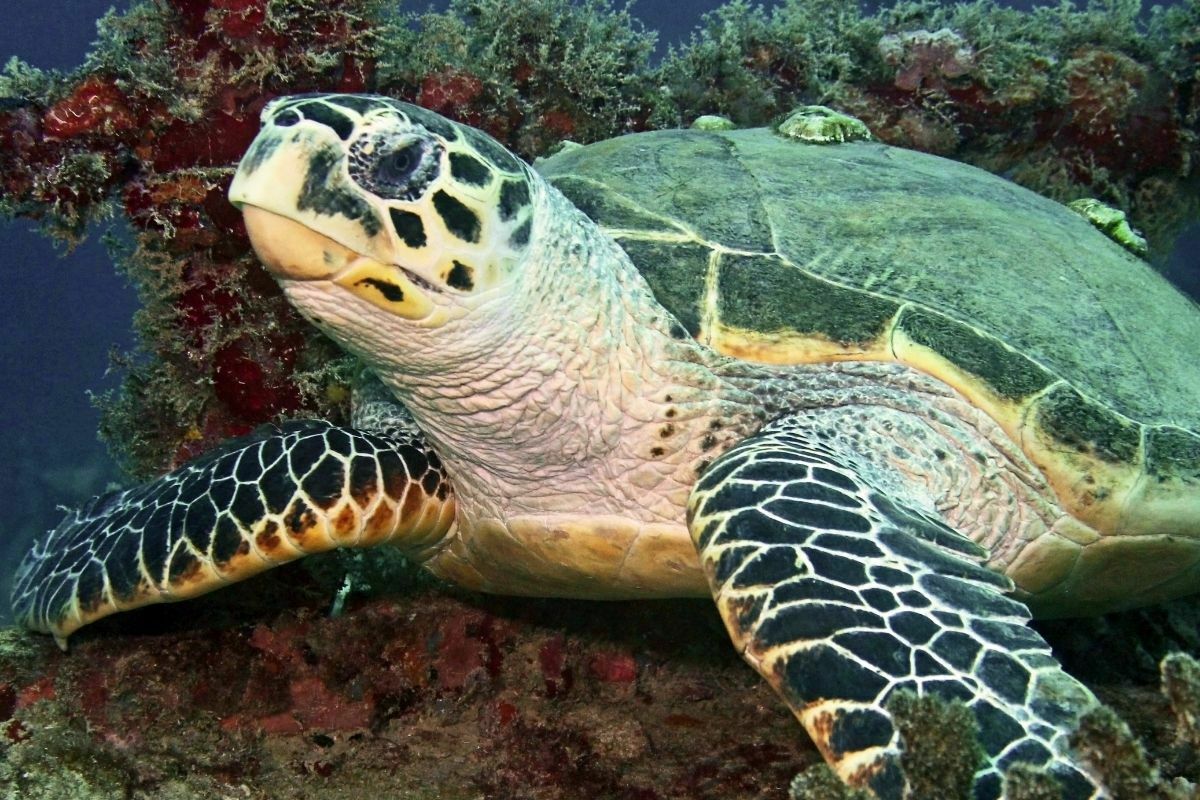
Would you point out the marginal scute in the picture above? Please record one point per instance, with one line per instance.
(1043, 563)
(1137, 569)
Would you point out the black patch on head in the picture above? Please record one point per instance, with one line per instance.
(430, 121)
(520, 236)
(389, 290)
(469, 169)
(342, 125)
(321, 194)
(514, 195)
(409, 227)
(460, 220)
(492, 150)
(360, 103)
(461, 277)
(262, 149)
(286, 118)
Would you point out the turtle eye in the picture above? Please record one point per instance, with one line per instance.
(395, 168)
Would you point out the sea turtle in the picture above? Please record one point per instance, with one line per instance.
(876, 403)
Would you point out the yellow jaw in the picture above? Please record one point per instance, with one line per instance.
(295, 252)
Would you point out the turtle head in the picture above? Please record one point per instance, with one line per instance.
(419, 217)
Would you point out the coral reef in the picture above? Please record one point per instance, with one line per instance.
(441, 693)
(1093, 102)
(421, 696)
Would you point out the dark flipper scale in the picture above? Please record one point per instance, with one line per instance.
(282, 492)
(841, 594)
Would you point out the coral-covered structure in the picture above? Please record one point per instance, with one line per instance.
(1072, 103)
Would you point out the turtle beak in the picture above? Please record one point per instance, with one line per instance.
(292, 251)
(305, 219)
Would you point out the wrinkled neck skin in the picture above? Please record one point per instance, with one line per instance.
(572, 392)
(561, 392)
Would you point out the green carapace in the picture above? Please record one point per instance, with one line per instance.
(879, 406)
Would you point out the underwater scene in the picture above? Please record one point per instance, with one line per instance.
(548, 399)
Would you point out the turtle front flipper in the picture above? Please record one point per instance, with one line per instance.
(841, 593)
(282, 492)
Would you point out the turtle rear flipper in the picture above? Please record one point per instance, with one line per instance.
(282, 492)
(840, 594)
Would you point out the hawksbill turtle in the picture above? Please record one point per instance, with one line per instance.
(878, 404)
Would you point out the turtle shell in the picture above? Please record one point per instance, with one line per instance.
(782, 252)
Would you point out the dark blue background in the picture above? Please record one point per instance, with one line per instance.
(62, 313)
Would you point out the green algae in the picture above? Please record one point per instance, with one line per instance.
(941, 745)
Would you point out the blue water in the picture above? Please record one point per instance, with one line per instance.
(62, 313)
